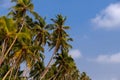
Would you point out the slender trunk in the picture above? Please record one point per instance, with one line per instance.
(57, 72)
(3, 58)
(11, 74)
(16, 73)
(11, 68)
(4, 46)
(48, 65)
(7, 73)
(51, 77)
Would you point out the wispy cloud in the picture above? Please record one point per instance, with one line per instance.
(109, 17)
(114, 58)
(75, 53)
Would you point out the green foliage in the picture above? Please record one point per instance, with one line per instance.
(23, 40)
(84, 76)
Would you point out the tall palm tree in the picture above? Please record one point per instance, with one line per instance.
(23, 39)
(31, 37)
(58, 38)
(18, 13)
(66, 64)
(41, 37)
(7, 33)
(36, 70)
(22, 34)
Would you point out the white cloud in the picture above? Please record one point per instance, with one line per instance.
(114, 58)
(109, 17)
(75, 53)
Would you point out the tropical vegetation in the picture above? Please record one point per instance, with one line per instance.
(24, 37)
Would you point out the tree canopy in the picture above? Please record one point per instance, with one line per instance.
(24, 36)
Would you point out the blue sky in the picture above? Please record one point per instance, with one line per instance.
(95, 28)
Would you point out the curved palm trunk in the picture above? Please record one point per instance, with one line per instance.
(11, 74)
(57, 72)
(4, 45)
(48, 65)
(16, 73)
(7, 73)
(55, 76)
(11, 69)
(3, 58)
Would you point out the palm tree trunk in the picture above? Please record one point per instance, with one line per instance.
(16, 73)
(57, 72)
(4, 45)
(55, 76)
(48, 65)
(2, 59)
(7, 73)
(11, 68)
(11, 74)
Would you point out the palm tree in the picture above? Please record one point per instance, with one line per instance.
(58, 38)
(41, 37)
(22, 35)
(84, 76)
(65, 65)
(31, 37)
(76, 74)
(36, 70)
(7, 33)
(18, 13)
(23, 39)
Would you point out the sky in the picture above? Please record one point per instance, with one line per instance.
(95, 28)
